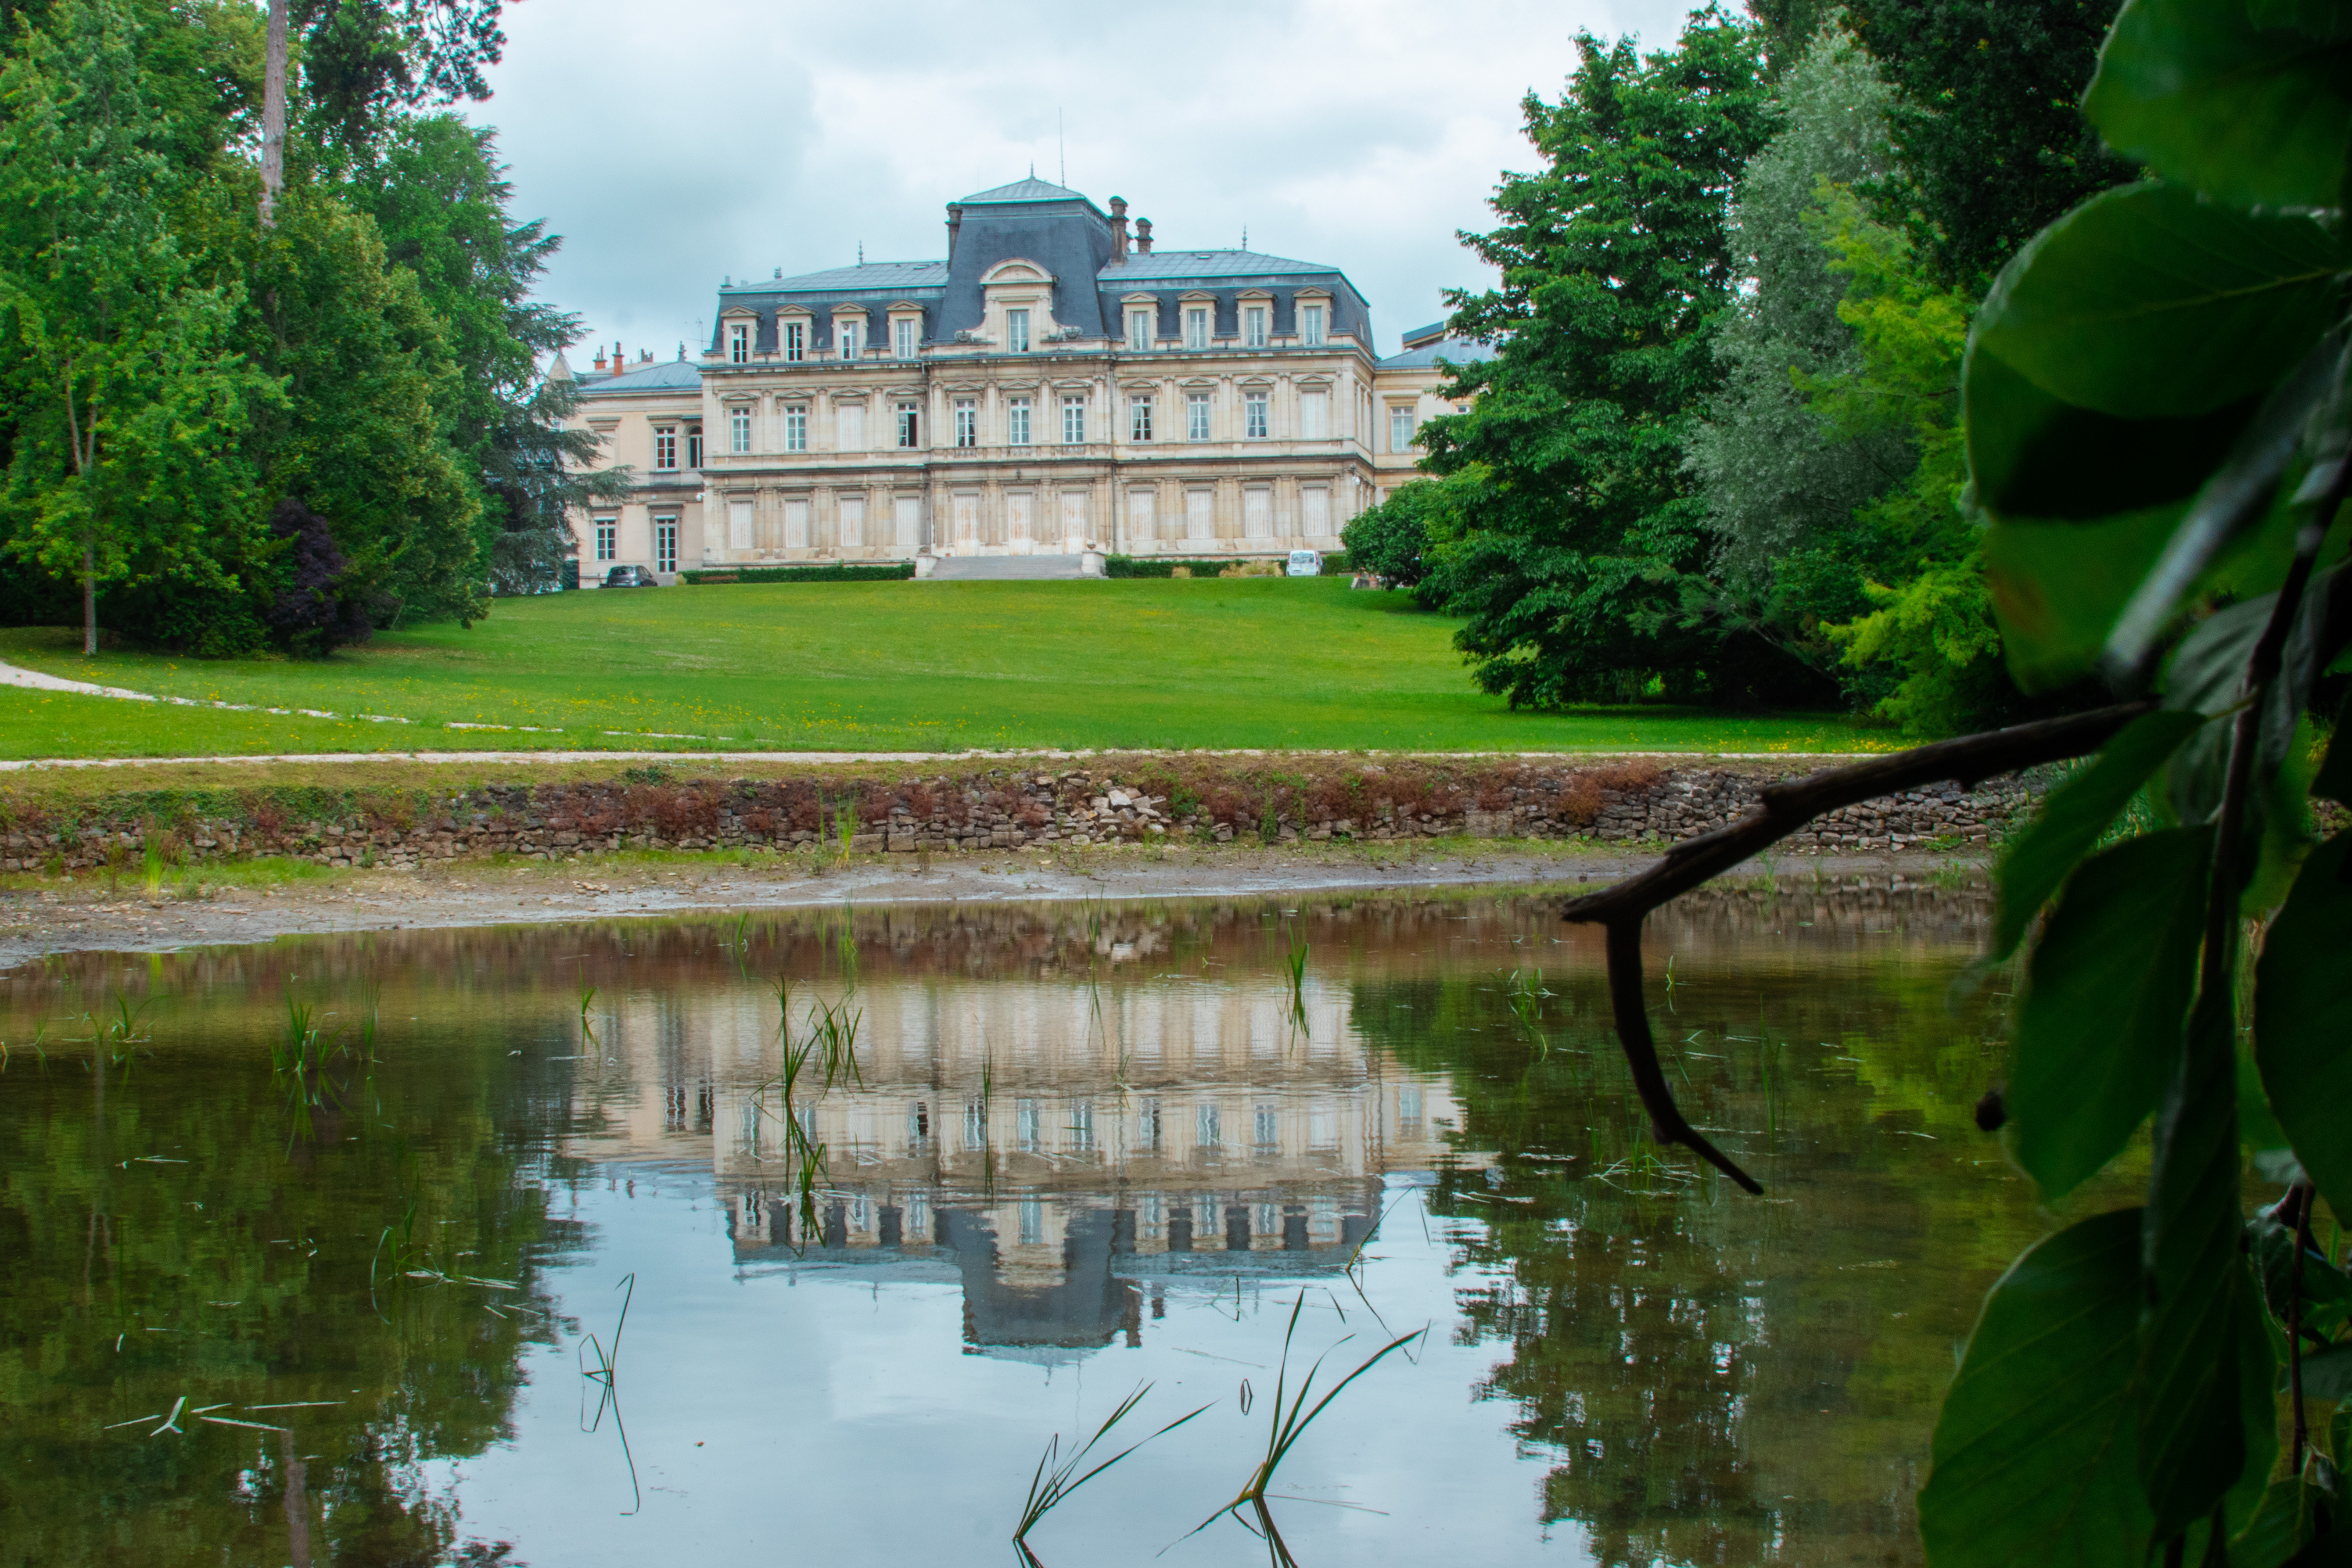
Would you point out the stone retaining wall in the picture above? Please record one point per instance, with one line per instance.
(1124, 801)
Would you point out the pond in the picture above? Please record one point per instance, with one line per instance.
(1012, 1164)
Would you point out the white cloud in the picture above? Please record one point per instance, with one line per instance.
(673, 146)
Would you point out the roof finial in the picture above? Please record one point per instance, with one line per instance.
(1245, 236)
(861, 253)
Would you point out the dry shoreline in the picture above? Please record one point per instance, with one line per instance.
(42, 916)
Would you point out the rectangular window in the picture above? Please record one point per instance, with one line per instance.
(1016, 423)
(738, 343)
(1028, 1127)
(1310, 325)
(1016, 333)
(1253, 326)
(902, 337)
(608, 539)
(795, 336)
(1196, 417)
(694, 445)
(1399, 430)
(910, 425)
(850, 513)
(1082, 1128)
(849, 337)
(1139, 330)
(664, 446)
(1074, 421)
(1313, 415)
(1268, 1129)
(665, 544)
(1255, 422)
(1206, 1131)
(796, 428)
(739, 431)
(1139, 419)
(850, 425)
(1196, 327)
(967, 423)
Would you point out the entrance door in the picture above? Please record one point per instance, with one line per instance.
(666, 544)
(1074, 532)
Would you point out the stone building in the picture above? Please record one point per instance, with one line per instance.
(1056, 385)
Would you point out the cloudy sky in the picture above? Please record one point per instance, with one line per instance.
(675, 144)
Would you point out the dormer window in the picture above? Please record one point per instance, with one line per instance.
(903, 333)
(1310, 325)
(1016, 332)
(1140, 324)
(1253, 326)
(1196, 327)
(738, 343)
(849, 337)
(796, 336)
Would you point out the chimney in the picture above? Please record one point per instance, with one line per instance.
(955, 222)
(1143, 237)
(1118, 228)
(600, 360)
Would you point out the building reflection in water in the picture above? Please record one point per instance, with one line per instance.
(1062, 1148)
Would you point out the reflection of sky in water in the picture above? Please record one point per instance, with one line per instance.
(1085, 1150)
(844, 1419)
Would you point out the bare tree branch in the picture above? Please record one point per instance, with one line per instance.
(1786, 807)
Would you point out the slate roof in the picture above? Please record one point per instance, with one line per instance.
(1456, 351)
(1162, 266)
(1421, 336)
(872, 276)
(668, 375)
(1032, 189)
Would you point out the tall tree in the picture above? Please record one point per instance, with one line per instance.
(1581, 538)
(442, 201)
(1990, 132)
(132, 397)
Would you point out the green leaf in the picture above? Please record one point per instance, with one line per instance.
(2145, 303)
(2207, 676)
(2033, 1448)
(2335, 780)
(2075, 815)
(2098, 1034)
(2056, 589)
(2326, 1376)
(2235, 501)
(2033, 455)
(2330, 21)
(2246, 111)
(2302, 1019)
(2193, 1445)
(2280, 1524)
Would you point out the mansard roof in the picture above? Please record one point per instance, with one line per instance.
(667, 376)
(1032, 189)
(1187, 266)
(866, 277)
(1427, 351)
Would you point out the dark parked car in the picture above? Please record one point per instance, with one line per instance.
(630, 577)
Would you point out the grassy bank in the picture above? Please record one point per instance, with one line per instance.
(1279, 664)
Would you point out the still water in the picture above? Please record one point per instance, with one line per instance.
(371, 1312)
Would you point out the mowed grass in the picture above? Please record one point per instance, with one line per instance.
(1271, 663)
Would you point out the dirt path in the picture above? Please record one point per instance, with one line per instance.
(38, 918)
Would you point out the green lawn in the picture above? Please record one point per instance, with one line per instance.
(1268, 663)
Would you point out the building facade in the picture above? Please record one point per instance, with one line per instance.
(1056, 385)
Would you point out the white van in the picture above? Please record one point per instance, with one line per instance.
(1304, 564)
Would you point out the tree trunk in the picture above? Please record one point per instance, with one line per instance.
(89, 601)
(273, 115)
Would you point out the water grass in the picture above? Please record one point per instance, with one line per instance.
(1291, 1418)
(834, 1028)
(1053, 1483)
